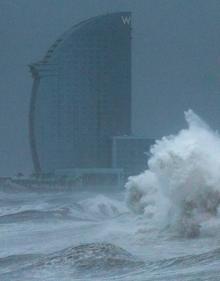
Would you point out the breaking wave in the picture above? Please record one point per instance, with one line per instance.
(180, 190)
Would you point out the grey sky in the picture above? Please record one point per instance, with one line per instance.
(176, 63)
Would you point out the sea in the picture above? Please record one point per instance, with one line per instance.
(163, 225)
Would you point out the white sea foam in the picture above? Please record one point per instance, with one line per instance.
(181, 188)
(101, 206)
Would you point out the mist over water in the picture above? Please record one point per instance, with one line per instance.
(164, 225)
(181, 187)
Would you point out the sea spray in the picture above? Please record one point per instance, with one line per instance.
(181, 188)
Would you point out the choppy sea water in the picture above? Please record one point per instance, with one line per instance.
(89, 236)
(165, 225)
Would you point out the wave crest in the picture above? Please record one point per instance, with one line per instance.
(181, 187)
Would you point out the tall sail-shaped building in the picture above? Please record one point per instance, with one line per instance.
(81, 96)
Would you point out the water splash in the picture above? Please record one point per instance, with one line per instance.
(101, 206)
(181, 188)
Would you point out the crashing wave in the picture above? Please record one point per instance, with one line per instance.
(181, 188)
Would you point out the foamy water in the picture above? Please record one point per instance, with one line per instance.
(164, 226)
(181, 188)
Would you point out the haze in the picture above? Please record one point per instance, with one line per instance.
(176, 63)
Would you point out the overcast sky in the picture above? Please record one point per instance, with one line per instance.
(176, 63)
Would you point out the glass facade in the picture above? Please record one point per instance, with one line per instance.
(81, 95)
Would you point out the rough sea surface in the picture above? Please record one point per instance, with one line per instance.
(88, 236)
(164, 225)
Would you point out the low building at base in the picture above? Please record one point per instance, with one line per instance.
(92, 178)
